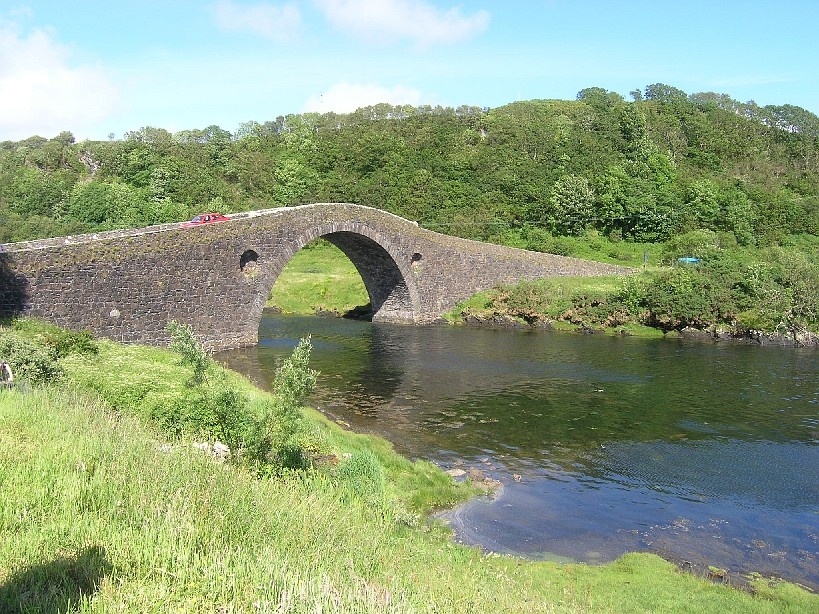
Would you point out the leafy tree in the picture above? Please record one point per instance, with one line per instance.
(571, 205)
(702, 204)
(666, 94)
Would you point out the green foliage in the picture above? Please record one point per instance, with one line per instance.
(679, 298)
(700, 244)
(60, 341)
(571, 204)
(194, 355)
(268, 436)
(784, 287)
(266, 433)
(662, 165)
(632, 294)
(30, 360)
(732, 288)
(294, 378)
(67, 342)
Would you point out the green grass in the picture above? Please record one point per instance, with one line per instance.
(318, 278)
(101, 511)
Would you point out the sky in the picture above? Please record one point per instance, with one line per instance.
(102, 68)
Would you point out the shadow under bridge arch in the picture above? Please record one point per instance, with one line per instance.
(389, 281)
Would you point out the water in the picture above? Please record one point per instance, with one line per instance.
(707, 453)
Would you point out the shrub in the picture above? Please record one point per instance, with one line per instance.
(560, 246)
(589, 308)
(701, 244)
(61, 340)
(679, 298)
(30, 360)
(294, 378)
(362, 476)
(633, 294)
(193, 353)
(537, 239)
(67, 342)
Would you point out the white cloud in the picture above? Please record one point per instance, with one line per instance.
(413, 20)
(42, 93)
(347, 97)
(273, 22)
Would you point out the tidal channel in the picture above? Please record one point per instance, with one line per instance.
(704, 453)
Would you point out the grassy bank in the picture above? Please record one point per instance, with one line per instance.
(104, 508)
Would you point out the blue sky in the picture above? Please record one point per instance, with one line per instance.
(101, 67)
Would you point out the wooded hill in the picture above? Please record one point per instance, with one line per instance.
(644, 170)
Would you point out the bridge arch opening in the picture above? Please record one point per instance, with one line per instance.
(388, 282)
(320, 278)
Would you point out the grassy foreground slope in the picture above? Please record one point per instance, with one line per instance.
(100, 511)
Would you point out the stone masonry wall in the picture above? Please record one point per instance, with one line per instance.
(126, 285)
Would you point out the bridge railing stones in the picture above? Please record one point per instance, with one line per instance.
(127, 284)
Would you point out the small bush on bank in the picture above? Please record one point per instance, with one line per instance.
(30, 360)
(679, 298)
(362, 476)
(67, 342)
(62, 341)
(193, 353)
(33, 348)
(294, 378)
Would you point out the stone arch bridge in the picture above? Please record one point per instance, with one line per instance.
(126, 285)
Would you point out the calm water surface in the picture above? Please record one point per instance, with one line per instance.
(702, 452)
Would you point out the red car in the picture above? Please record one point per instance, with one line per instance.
(206, 218)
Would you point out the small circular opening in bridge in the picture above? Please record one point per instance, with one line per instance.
(249, 264)
(416, 257)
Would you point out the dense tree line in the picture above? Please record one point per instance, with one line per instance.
(645, 170)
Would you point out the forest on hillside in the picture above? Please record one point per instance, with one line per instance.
(733, 184)
(644, 170)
